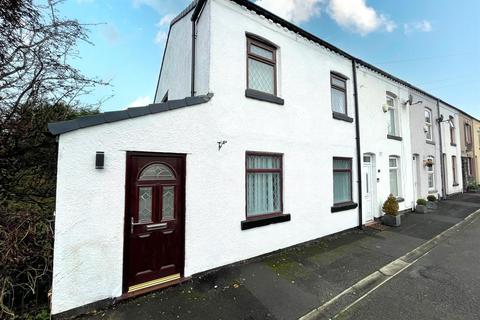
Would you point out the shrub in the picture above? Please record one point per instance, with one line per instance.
(431, 198)
(472, 187)
(421, 202)
(391, 206)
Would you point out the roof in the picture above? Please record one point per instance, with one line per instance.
(130, 113)
(108, 117)
(290, 26)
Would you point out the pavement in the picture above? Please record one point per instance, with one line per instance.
(289, 284)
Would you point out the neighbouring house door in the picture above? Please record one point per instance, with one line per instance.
(368, 188)
(155, 231)
(415, 179)
(465, 173)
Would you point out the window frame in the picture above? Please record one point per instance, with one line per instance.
(272, 62)
(431, 171)
(428, 124)
(454, 171)
(349, 171)
(468, 134)
(247, 171)
(393, 109)
(453, 136)
(334, 75)
(397, 168)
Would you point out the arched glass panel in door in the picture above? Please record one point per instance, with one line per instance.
(157, 171)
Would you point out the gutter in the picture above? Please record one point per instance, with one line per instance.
(195, 16)
(357, 140)
(442, 162)
(290, 26)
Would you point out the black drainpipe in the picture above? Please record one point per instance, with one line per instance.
(194, 38)
(442, 162)
(357, 139)
(195, 15)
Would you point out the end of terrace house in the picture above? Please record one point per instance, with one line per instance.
(261, 136)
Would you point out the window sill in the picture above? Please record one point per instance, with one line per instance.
(344, 206)
(261, 221)
(432, 191)
(389, 136)
(455, 184)
(453, 144)
(262, 96)
(430, 142)
(400, 199)
(341, 116)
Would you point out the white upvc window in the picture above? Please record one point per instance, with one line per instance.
(392, 121)
(428, 125)
(431, 175)
(394, 169)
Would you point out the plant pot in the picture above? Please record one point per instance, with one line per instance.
(421, 209)
(432, 205)
(391, 221)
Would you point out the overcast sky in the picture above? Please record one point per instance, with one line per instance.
(434, 44)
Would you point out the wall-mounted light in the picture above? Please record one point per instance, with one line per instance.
(410, 101)
(450, 120)
(99, 160)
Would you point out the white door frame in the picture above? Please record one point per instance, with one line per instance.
(415, 178)
(369, 187)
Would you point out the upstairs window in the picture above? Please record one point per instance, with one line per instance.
(261, 66)
(452, 133)
(392, 116)
(468, 134)
(428, 125)
(338, 93)
(394, 168)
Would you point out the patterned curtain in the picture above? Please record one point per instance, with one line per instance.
(263, 188)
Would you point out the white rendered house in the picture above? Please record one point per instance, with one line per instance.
(254, 135)
(385, 142)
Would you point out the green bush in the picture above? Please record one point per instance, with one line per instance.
(431, 198)
(421, 202)
(391, 206)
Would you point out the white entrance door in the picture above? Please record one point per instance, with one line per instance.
(415, 179)
(368, 188)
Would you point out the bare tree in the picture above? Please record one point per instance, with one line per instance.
(38, 84)
(36, 48)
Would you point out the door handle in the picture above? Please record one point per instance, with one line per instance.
(157, 226)
(132, 224)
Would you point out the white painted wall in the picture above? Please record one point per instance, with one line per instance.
(373, 134)
(450, 150)
(176, 72)
(175, 76)
(90, 209)
(421, 147)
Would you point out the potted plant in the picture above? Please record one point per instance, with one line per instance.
(472, 185)
(390, 208)
(421, 206)
(432, 202)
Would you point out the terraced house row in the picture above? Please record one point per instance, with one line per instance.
(261, 136)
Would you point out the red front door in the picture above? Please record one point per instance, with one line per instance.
(154, 240)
